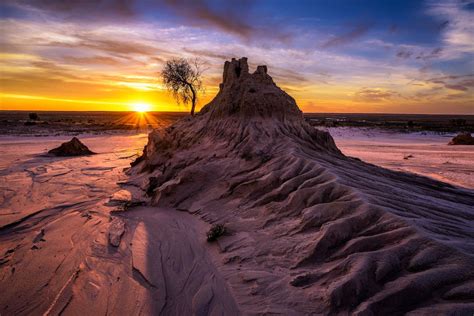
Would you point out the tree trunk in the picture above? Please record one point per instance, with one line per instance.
(193, 99)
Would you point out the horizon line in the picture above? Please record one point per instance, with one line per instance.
(304, 112)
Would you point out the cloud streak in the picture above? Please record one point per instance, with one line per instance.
(229, 19)
(232, 17)
(458, 28)
(79, 9)
(348, 37)
(460, 83)
(375, 94)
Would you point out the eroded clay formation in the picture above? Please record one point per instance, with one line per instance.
(311, 230)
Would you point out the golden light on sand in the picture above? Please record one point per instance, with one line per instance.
(141, 107)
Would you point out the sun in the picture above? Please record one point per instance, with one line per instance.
(141, 107)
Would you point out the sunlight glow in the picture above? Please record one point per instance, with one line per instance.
(141, 107)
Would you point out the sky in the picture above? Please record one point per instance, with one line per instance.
(331, 56)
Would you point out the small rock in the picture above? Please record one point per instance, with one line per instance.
(462, 139)
(120, 197)
(116, 230)
(74, 147)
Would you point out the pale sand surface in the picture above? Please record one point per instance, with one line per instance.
(31, 182)
(431, 154)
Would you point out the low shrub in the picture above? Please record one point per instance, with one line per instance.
(216, 231)
(33, 116)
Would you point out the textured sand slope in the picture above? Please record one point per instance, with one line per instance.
(312, 231)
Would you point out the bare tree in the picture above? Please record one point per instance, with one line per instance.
(183, 79)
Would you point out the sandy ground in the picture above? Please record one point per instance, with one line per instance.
(54, 219)
(422, 153)
(32, 183)
(56, 215)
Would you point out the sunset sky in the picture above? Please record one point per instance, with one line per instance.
(331, 56)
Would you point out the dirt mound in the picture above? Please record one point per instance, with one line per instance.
(309, 230)
(74, 147)
(462, 139)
